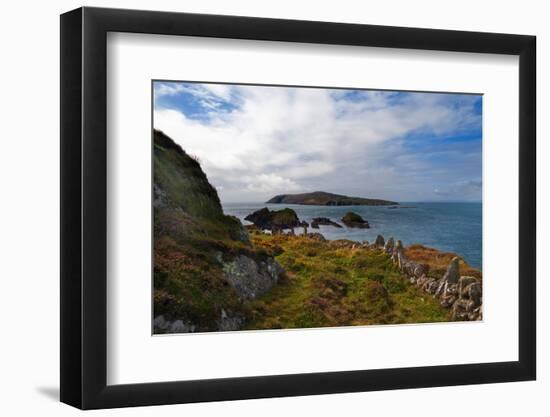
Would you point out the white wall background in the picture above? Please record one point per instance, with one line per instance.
(29, 212)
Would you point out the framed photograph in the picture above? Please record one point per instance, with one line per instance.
(257, 208)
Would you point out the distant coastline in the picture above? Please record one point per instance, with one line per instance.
(322, 198)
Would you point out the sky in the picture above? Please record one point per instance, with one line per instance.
(254, 142)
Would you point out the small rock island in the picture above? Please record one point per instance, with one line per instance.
(324, 221)
(352, 219)
(276, 220)
(322, 198)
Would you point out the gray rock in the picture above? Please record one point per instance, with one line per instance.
(474, 293)
(379, 242)
(421, 281)
(161, 325)
(419, 270)
(477, 314)
(228, 322)
(464, 282)
(388, 247)
(430, 285)
(160, 198)
(398, 256)
(452, 274)
(251, 278)
(440, 288)
(323, 221)
(459, 310)
(448, 295)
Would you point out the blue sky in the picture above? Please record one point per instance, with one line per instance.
(258, 141)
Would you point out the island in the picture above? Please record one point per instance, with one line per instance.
(322, 198)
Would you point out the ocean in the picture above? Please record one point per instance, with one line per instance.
(453, 227)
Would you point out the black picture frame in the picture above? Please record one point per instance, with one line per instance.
(84, 207)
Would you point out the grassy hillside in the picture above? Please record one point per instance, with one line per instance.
(329, 284)
(193, 242)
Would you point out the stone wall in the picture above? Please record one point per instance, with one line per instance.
(461, 294)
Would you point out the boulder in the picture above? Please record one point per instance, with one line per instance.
(477, 314)
(463, 283)
(323, 221)
(466, 310)
(161, 325)
(421, 281)
(352, 219)
(420, 269)
(229, 322)
(452, 273)
(379, 242)
(474, 293)
(251, 278)
(388, 247)
(459, 310)
(448, 293)
(398, 252)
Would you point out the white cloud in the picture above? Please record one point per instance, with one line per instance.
(283, 139)
(272, 183)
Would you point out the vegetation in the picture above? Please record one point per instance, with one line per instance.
(192, 238)
(438, 261)
(331, 284)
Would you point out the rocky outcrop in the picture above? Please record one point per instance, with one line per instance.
(388, 247)
(452, 275)
(276, 220)
(379, 242)
(251, 278)
(226, 322)
(352, 219)
(161, 325)
(323, 221)
(462, 294)
(205, 267)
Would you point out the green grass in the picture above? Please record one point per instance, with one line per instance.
(328, 286)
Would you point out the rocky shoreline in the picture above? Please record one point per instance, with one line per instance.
(461, 294)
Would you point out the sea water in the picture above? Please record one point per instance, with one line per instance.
(449, 227)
